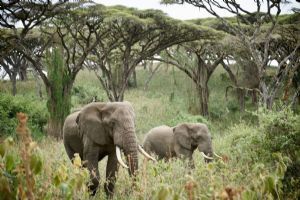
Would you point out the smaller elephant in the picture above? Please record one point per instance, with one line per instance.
(179, 141)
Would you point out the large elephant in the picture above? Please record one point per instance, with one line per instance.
(179, 141)
(99, 130)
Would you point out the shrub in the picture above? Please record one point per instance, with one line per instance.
(184, 117)
(10, 106)
(84, 94)
(233, 106)
(216, 111)
(282, 134)
(282, 131)
(23, 171)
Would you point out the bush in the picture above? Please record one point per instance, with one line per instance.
(23, 167)
(11, 105)
(233, 106)
(282, 131)
(184, 117)
(282, 134)
(85, 94)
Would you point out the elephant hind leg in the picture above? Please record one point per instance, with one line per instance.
(111, 169)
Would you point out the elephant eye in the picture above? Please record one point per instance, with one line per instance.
(112, 123)
(198, 137)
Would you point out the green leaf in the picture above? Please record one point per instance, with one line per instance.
(2, 150)
(269, 185)
(163, 194)
(36, 164)
(249, 195)
(9, 142)
(176, 197)
(9, 162)
(56, 180)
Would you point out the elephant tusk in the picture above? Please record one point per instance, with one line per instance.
(118, 152)
(142, 151)
(217, 155)
(205, 156)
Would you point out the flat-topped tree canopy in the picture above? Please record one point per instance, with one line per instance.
(151, 29)
(135, 35)
(21, 17)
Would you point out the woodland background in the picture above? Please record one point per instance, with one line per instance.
(239, 75)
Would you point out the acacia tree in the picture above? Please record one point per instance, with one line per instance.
(19, 17)
(198, 60)
(285, 40)
(70, 37)
(135, 36)
(245, 78)
(260, 26)
(14, 64)
(73, 32)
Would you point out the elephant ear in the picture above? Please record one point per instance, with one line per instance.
(77, 119)
(182, 136)
(94, 123)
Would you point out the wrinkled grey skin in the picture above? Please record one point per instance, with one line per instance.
(95, 131)
(179, 141)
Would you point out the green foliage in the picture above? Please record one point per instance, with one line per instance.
(185, 117)
(84, 94)
(250, 168)
(68, 182)
(13, 162)
(58, 78)
(59, 91)
(289, 19)
(10, 106)
(282, 134)
(282, 131)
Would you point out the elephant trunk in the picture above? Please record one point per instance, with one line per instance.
(131, 152)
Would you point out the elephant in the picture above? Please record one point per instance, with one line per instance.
(102, 129)
(179, 141)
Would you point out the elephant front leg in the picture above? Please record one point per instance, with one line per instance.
(111, 169)
(90, 156)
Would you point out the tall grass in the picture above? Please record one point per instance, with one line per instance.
(244, 172)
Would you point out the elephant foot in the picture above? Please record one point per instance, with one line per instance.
(92, 189)
(109, 190)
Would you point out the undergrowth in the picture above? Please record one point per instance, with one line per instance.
(259, 149)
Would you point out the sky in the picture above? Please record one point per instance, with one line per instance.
(185, 11)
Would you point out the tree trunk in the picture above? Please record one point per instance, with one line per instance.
(203, 92)
(23, 71)
(54, 128)
(270, 102)
(14, 84)
(59, 107)
(202, 80)
(266, 99)
(241, 98)
(254, 97)
(203, 100)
